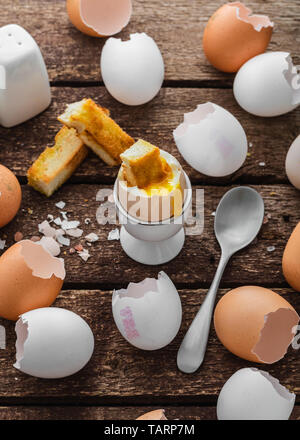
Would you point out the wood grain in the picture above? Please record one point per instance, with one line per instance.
(121, 374)
(176, 27)
(196, 264)
(109, 413)
(270, 138)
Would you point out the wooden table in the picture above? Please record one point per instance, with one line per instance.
(121, 381)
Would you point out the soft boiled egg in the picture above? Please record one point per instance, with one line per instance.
(292, 163)
(52, 343)
(211, 140)
(232, 36)
(255, 323)
(133, 70)
(10, 195)
(30, 277)
(252, 394)
(99, 18)
(268, 85)
(148, 314)
(151, 183)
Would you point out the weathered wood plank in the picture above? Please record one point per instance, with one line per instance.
(110, 413)
(121, 374)
(270, 138)
(176, 27)
(196, 264)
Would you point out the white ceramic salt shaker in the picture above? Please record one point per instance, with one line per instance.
(24, 83)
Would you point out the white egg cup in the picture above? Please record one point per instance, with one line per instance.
(24, 83)
(153, 243)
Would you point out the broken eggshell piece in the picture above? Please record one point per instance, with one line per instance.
(99, 18)
(252, 394)
(268, 85)
(152, 207)
(30, 277)
(255, 324)
(233, 35)
(157, 414)
(52, 343)
(148, 314)
(211, 140)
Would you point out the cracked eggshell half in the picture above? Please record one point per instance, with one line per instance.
(255, 324)
(211, 140)
(291, 259)
(292, 163)
(268, 85)
(157, 414)
(52, 343)
(148, 314)
(252, 394)
(99, 18)
(149, 207)
(30, 277)
(133, 70)
(10, 196)
(232, 36)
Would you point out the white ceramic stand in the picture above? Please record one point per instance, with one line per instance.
(24, 83)
(152, 252)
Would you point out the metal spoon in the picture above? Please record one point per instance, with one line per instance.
(238, 219)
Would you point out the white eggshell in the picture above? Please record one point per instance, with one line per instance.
(148, 314)
(133, 70)
(212, 140)
(266, 85)
(292, 163)
(252, 394)
(52, 343)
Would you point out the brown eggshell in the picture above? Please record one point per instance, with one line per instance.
(73, 9)
(22, 291)
(291, 259)
(229, 42)
(240, 317)
(158, 414)
(10, 196)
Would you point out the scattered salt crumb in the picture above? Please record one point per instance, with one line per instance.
(76, 232)
(114, 234)
(78, 247)
(57, 221)
(88, 244)
(271, 248)
(84, 254)
(50, 218)
(250, 145)
(60, 205)
(262, 164)
(46, 229)
(50, 245)
(70, 224)
(92, 237)
(72, 251)
(18, 236)
(213, 214)
(35, 238)
(87, 221)
(2, 244)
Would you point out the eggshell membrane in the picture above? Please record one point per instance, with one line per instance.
(245, 325)
(10, 196)
(158, 414)
(29, 277)
(101, 18)
(230, 37)
(292, 163)
(147, 208)
(291, 259)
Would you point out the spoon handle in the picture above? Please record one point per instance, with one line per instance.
(193, 347)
